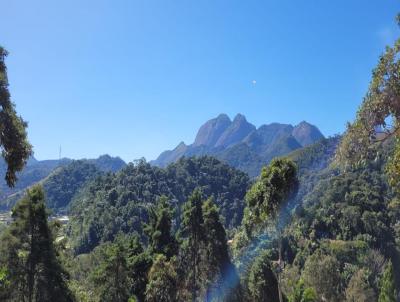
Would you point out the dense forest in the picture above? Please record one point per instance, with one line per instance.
(321, 223)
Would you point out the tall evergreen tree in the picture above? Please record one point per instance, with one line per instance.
(159, 230)
(193, 244)
(29, 256)
(387, 291)
(13, 138)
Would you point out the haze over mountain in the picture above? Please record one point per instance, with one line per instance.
(241, 144)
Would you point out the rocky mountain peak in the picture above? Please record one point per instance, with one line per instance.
(211, 131)
(306, 133)
(236, 132)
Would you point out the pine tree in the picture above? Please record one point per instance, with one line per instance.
(159, 230)
(387, 291)
(193, 244)
(29, 256)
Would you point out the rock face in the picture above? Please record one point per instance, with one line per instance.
(212, 130)
(306, 133)
(267, 135)
(241, 144)
(236, 132)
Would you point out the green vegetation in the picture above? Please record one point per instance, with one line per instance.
(31, 270)
(13, 139)
(122, 202)
(61, 179)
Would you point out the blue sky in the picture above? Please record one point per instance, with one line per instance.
(133, 78)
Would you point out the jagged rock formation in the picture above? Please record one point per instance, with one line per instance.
(241, 144)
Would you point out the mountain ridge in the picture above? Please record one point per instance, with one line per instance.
(241, 144)
(38, 171)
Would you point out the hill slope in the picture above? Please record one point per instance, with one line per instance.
(60, 179)
(120, 202)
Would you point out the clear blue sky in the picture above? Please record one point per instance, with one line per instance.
(133, 78)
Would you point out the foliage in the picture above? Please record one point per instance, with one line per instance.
(321, 272)
(262, 283)
(159, 230)
(359, 288)
(29, 259)
(112, 274)
(63, 183)
(13, 138)
(162, 281)
(278, 183)
(61, 179)
(221, 277)
(204, 262)
(193, 244)
(387, 291)
(121, 202)
(377, 118)
(301, 293)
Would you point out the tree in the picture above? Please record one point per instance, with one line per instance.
(262, 283)
(162, 281)
(29, 257)
(221, 277)
(301, 293)
(13, 138)
(139, 266)
(111, 276)
(359, 289)
(387, 291)
(193, 232)
(158, 230)
(193, 245)
(378, 118)
(267, 200)
(321, 272)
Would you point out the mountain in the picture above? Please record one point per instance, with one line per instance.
(107, 163)
(32, 173)
(241, 144)
(60, 178)
(212, 130)
(236, 132)
(306, 133)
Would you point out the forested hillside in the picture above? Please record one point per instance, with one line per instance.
(61, 179)
(121, 202)
(33, 172)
